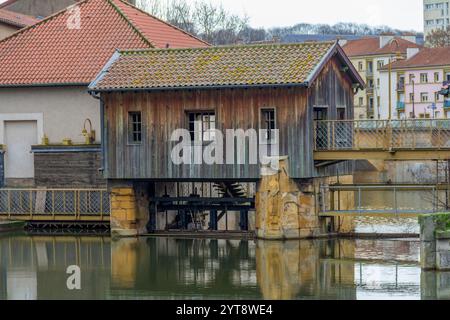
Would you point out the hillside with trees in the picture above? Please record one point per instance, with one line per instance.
(213, 23)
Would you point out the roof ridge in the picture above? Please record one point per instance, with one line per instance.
(298, 44)
(130, 23)
(165, 22)
(43, 20)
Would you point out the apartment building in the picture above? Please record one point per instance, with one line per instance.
(416, 85)
(369, 56)
(436, 15)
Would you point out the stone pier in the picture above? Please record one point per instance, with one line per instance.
(288, 209)
(129, 209)
(435, 241)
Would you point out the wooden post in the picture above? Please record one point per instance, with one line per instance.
(213, 220)
(244, 220)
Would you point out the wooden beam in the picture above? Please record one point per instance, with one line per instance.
(399, 155)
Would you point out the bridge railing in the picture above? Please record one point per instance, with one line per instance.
(397, 200)
(54, 202)
(339, 135)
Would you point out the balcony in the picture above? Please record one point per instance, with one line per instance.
(445, 89)
(400, 105)
(369, 90)
(401, 86)
(369, 73)
(446, 104)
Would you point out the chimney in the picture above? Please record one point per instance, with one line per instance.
(385, 38)
(342, 41)
(411, 52)
(411, 37)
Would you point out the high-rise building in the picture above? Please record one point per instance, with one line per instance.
(436, 15)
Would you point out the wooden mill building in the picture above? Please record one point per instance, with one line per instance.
(148, 94)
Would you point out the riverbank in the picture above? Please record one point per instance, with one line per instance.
(8, 226)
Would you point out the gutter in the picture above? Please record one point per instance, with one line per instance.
(215, 87)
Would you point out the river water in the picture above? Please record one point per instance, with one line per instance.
(34, 267)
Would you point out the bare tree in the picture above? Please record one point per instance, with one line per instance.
(439, 38)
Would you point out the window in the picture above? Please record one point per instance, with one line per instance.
(380, 64)
(411, 78)
(436, 96)
(201, 125)
(424, 115)
(424, 77)
(268, 124)
(361, 102)
(411, 97)
(424, 97)
(437, 114)
(378, 82)
(436, 77)
(447, 114)
(134, 127)
(341, 113)
(360, 66)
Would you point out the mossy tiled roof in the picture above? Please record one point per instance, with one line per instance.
(242, 65)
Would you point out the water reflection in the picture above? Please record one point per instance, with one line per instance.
(34, 267)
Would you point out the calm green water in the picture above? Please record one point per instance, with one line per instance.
(34, 267)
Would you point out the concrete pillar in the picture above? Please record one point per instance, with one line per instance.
(283, 210)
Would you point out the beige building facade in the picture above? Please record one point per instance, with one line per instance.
(436, 15)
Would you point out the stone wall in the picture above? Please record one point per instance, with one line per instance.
(435, 241)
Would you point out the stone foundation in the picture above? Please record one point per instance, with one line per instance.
(435, 242)
(288, 209)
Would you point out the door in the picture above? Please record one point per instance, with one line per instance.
(322, 127)
(19, 137)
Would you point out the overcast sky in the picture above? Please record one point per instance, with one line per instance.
(400, 14)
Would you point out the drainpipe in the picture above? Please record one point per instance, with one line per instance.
(103, 169)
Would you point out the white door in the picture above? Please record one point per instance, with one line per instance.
(19, 137)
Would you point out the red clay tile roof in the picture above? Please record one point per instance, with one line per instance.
(249, 65)
(427, 57)
(16, 19)
(371, 46)
(50, 53)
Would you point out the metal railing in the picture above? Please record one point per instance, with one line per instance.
(396, 199)
(74, 203)
(337, 135)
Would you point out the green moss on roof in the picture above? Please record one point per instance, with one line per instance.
(215, 66)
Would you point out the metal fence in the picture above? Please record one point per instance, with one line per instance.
(54, 202)
(396, 200)
(382, 134)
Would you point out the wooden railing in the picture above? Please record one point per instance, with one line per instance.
(414, 134)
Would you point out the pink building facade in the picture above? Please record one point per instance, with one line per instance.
(419, 97)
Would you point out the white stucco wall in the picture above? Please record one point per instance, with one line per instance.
(63, 110)
(6, 30)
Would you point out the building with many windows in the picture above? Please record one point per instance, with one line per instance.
(436, 15)
(416, 83)
(369, 56)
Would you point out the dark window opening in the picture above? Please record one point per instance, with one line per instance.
(202, 126)
(135, 127)
(268, 124)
